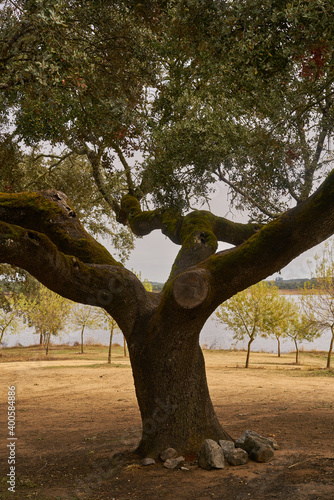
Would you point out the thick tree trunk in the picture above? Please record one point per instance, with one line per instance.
(330, 350)
(171, 387)
(278, 348)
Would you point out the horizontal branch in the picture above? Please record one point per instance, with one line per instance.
(49, 212)
(113, 288)
(198, 232)
(178, 227)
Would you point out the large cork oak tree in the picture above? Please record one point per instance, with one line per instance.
(202, 94)
(41, 233)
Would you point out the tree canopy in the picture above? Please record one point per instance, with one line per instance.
(200, 91)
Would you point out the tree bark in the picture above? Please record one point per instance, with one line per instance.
(278, 347)
(171, 387)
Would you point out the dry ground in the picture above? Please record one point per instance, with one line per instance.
(74, 414)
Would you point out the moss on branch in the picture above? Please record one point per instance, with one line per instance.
(113, 288)
(50, 213)
(274, 245)
(144, 222)
(181, 229)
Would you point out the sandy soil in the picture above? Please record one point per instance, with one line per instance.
(74, 416)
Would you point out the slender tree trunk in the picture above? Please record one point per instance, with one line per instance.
(297, 352)
(171, 388)
(82, 337)
(4, 328)
(41, 339)
(124, 345)
(330, 349)
(248, 352)
(47, 342)
(110, 344)
(278, 347)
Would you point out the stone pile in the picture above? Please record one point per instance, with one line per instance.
(170, 459)
(212, 455)
(251, 445)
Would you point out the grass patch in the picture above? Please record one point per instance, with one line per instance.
(311, 362)
(59, 352)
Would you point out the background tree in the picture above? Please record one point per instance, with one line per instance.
(15, 282)
(111, 326)
(281, 312)
(190, 87)
(9, 316)
(47, 314)
(83, 317)
(318, 297)
(300, 327)
(250, 313)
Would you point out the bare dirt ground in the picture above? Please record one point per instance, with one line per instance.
(73, 416)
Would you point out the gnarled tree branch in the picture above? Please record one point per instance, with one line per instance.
(197, 232)
(274, 245)
(49, 212)
(113, 288)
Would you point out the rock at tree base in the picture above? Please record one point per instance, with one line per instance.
(258, 447)
(174, 463)
(169, 453)
(211, 455)
(261, 453)
(148, 461)
(226, 446)
(239, 443)
(237, 456)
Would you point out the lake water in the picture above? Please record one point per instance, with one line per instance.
(213, 336)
